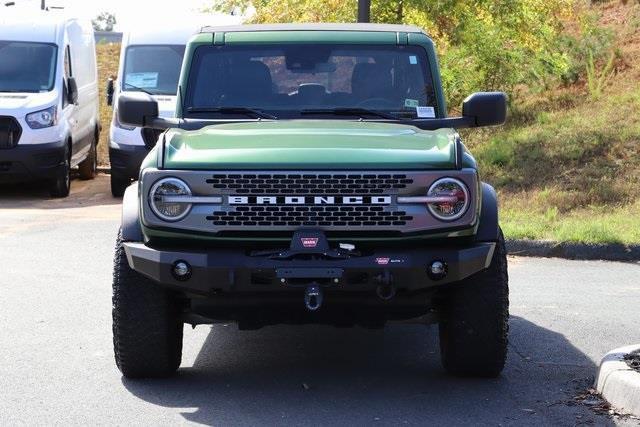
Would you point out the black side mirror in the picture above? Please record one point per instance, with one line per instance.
(137, 109)
(485, 108)
(110, 91)
(72, 90)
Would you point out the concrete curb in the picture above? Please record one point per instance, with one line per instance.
(568, 250)
(618, 383)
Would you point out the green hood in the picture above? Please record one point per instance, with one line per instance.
(310, 144)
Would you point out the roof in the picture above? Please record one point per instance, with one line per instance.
(33, 27)
(315, 27)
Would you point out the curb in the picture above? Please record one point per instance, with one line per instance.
(578, 251)
(618, 383)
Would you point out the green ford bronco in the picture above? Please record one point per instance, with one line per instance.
(311, 175)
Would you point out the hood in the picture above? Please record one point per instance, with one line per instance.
(166, 105)
(21, 104)
(310, 144)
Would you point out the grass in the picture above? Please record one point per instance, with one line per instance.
(108, 59)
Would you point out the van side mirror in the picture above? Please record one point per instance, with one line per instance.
(485, 108)
(110, 91)
(72, 90)
(137, 109)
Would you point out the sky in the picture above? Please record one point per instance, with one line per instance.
(129, 13)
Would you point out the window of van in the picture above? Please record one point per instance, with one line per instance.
(153, 68)
(27, 67)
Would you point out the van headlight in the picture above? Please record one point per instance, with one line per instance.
(43, 118)
(451, 199)
(165, 199)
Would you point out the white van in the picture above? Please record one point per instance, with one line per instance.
(49, 119)
(150, 61)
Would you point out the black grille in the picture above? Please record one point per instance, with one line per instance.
(10, 132)
(150, 137)
(323, 216)
(292, 184)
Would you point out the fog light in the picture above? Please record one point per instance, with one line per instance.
(181, 270)
(437, 270)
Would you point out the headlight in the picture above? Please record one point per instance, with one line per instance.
(454, 199)
(43, 119)
(164, 199)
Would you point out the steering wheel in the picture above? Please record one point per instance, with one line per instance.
(377, 103)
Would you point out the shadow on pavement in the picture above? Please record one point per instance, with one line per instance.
(315, 375)
(35, 195)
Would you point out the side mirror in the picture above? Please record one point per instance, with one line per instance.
(110, 91)
(137, 109)
(485, 108)
(72, 90)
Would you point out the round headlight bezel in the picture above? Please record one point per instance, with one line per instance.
(467, 199)
(154, 208)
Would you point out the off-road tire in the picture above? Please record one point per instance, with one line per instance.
(475, 321)
(88, 168)
(60, 186)
(147, 332)
(118, 184)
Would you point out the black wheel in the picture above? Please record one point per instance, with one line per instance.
(118, 184)
(147, 332)
(475, 321)
(89, 167)
(60, 186)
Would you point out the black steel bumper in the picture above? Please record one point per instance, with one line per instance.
(237, 272)
(31, 162)
(126, 160)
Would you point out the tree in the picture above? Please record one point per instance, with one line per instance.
(104, 22)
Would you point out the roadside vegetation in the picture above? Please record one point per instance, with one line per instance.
(108, 60)
(567, 163)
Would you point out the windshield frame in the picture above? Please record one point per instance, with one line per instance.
(425, 60)
(128, 88)
(54, 74)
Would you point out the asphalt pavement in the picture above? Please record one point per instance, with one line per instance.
(57, 363)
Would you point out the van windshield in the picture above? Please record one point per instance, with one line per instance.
(27, 67)
(315, 80)
(153, 68)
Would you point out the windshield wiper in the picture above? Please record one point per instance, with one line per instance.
(232, 110)
(350, 111)
(139, 89)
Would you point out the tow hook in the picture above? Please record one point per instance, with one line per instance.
(386, 289)
(313, 297)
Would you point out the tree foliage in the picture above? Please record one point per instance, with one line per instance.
(104, 22)
(483, 44)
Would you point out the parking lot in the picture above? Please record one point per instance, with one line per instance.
(57, 363)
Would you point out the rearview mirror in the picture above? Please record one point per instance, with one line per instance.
(110, 91)
(72, 90)
(485, 108)
(137, 109)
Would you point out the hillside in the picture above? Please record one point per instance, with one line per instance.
(567, 165)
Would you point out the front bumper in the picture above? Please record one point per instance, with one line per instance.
(31, 162)
(126, 159)
(236, 272)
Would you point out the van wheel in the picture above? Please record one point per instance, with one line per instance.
(119, 184)
(60, 186)
(474, 324)
(89, 167)
(147, 329)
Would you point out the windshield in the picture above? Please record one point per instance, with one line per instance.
(27, 67)
(153, 68)
(291, 80)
